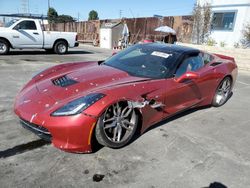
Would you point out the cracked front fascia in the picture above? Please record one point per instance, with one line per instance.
(139, 105)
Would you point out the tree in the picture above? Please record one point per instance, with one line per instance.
(52, 15)
(197, 22)
(246, 32)
(201, 22)
(64, 18)
(207, 13)
(93, 15)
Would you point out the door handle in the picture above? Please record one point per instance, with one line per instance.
(35, 33)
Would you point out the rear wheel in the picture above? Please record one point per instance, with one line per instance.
(223, 92)
(61, 47)
(117, 126)
(4, 47)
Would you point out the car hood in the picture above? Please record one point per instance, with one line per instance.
(3, 28)
(86, 79)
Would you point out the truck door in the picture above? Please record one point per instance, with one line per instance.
(27, 34)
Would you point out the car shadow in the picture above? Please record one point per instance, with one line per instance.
(216, 185)
(96, 146)
(27, 52)
(181, 114)
(175, 117)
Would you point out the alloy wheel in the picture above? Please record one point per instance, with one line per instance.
(119, 122)
(223, 91)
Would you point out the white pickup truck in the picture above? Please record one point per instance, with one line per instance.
(30, 33)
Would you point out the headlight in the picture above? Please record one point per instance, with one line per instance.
(78, 105)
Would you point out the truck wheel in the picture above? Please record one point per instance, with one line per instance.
(4, 47)
(61, 47)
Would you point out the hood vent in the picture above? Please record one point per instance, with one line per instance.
(63, 81)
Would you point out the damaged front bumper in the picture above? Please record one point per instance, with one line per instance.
(71, 134)
(38, 130)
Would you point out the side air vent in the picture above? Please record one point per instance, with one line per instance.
(63, 81)
(215, 64)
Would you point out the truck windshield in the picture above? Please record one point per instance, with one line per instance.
(10, 23)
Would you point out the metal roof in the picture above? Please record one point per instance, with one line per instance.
(25, 15)
(110, 24)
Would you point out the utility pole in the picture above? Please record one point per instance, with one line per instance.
(120, 13)
(25, 6)
(28, 1)
(48, 4)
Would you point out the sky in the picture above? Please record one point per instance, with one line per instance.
(107, 9)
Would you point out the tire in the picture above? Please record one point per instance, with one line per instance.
(61, 47)
(4, 47)
(222, 93)
(117, 125)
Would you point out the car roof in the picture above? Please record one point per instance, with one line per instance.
(173, 48)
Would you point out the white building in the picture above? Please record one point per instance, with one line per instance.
(110, 34)
(228, 19)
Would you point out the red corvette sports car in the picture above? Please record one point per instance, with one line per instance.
(73, 104)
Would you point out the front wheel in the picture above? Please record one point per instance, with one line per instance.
(223, 92)
(4, 47)
(117, 126)
(61, 47)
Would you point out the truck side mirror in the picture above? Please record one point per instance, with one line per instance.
(17, 27)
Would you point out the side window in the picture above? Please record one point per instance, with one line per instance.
(191, 63)
(207, 58)
(26, 25)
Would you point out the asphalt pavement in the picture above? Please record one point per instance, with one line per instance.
(198, 148)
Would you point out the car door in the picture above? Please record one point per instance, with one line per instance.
(185, 94)
(26, 34)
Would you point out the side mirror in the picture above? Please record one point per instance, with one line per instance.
(188, 76)
(17, 27)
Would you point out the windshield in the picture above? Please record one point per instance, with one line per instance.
(10, 23)
(142, 60)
